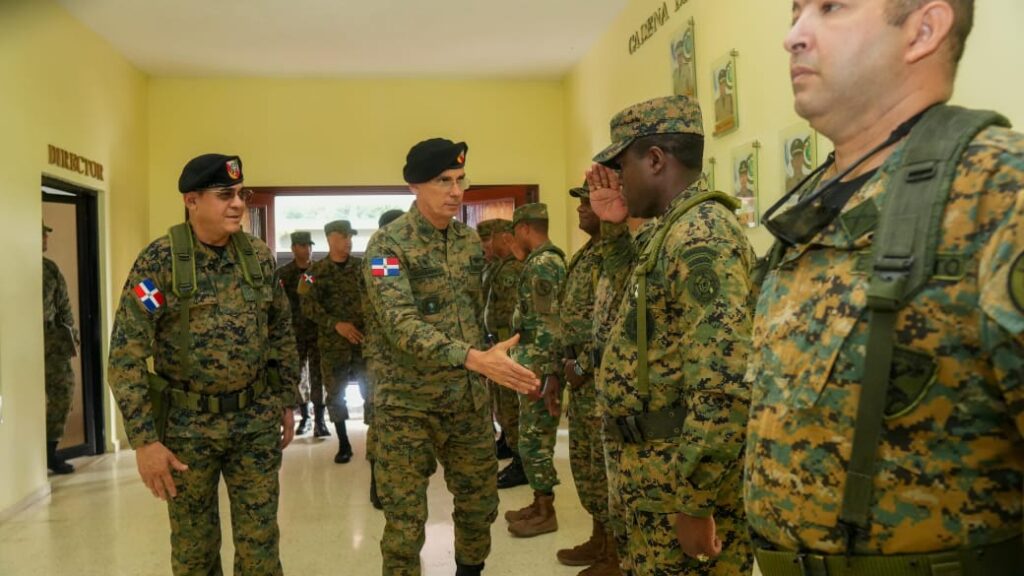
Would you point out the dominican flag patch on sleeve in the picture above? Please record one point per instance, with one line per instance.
(384, 266)
(150, 296)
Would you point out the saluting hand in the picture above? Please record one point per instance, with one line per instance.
(495, 365)
(606, 194)
(155, 462)
(348, 331)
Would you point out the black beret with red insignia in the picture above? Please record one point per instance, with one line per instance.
(430, 158)
(210, 171)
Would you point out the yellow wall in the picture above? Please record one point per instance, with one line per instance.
(355, 132)
(64, 86)
(609, 78)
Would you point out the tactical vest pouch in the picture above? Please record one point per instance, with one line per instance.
(667, 423)
(159, 403)
(1002, 559)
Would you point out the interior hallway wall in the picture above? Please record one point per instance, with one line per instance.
(608, 79)
(62, 85)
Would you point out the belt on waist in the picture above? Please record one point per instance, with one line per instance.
(1001, 559)
(218, 403)
(667, 423)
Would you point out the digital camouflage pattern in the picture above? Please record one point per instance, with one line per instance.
(586, 447)
(428, 407)
(500, 293)
(235, 328)
(311, 386)
(59, 338)
(950, 465)
(665, 115)
(537, 321)
(699, 313)
(334, 295)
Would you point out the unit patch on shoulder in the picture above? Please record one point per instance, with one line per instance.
(702, 281)
(1016, 287)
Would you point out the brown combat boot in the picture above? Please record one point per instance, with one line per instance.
(590, 552)
(609, 564)
(523, 513)
(542, 521)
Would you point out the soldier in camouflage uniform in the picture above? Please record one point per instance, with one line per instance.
(232, 367)
(586, 448)
(671, 375)
(537, 322)
(423, 282)
(60, 341)
(500, 304)
(486, 229)
(376, 361)
(333, 299)
(291, 276)
(943, 493)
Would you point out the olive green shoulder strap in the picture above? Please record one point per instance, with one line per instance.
(648, 259)
(183, 272)
(904, 257)
(247, 256)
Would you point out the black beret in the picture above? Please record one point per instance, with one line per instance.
(210, 171)
(431, 157)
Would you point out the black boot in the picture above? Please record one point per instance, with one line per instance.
(344, 454)
(513, 475)
(57, 465)
(468, 569)
(320, 428)
(502, 449)
(374, 499)
(305, 424)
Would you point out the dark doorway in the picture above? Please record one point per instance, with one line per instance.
(74, 245)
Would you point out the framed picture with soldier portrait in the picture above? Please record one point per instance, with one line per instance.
(684, 62)
(726, 93)
(745, 171)
(709, 173)
(799, 146)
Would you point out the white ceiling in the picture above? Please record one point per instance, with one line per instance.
(323, 38)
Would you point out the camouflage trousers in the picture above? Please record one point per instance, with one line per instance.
(337, 373)
(312, 384)
(586, 451)
(410, 443)
(538, 432)
(505, 404)
(647, 540)
(368, 416)
(249, 465)
(60, 386)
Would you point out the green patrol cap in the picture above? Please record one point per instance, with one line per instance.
(581, 191)
(502, 225)
(46, 229)
(340, 226)
(485, 228)
(666, 115)
(535, 211)
(303, 237)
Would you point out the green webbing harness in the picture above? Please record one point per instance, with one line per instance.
(648, 260)
(183, 268)
(904, 257)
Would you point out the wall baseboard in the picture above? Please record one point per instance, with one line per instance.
(33, 498)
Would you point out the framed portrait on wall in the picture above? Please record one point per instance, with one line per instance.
(799, 146)
(726, 93)
(684, 62)
(745, 171)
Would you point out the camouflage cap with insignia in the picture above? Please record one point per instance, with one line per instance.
(302, 237)
(502, 225)
(581, 191)
(666, 115)
(485, 228)
(340, 226)
(210, 171)
(535, 211)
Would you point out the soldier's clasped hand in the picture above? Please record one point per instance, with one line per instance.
(496, 365)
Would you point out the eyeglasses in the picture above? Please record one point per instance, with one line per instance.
(228, 194)
(446, 182)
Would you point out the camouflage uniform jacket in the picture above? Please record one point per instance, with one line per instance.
(334, 295)
(234, 327)
(950, 464)
(291, 277)
(536, 317)
(699, 308)
(430, 314)
(500, 297)
(577, 304)
(59, 334)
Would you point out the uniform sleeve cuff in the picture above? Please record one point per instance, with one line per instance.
(457, 353)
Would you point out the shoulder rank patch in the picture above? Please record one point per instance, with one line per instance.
(150, 296)
(1016, 287)
(702, 281)
(384, 266)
